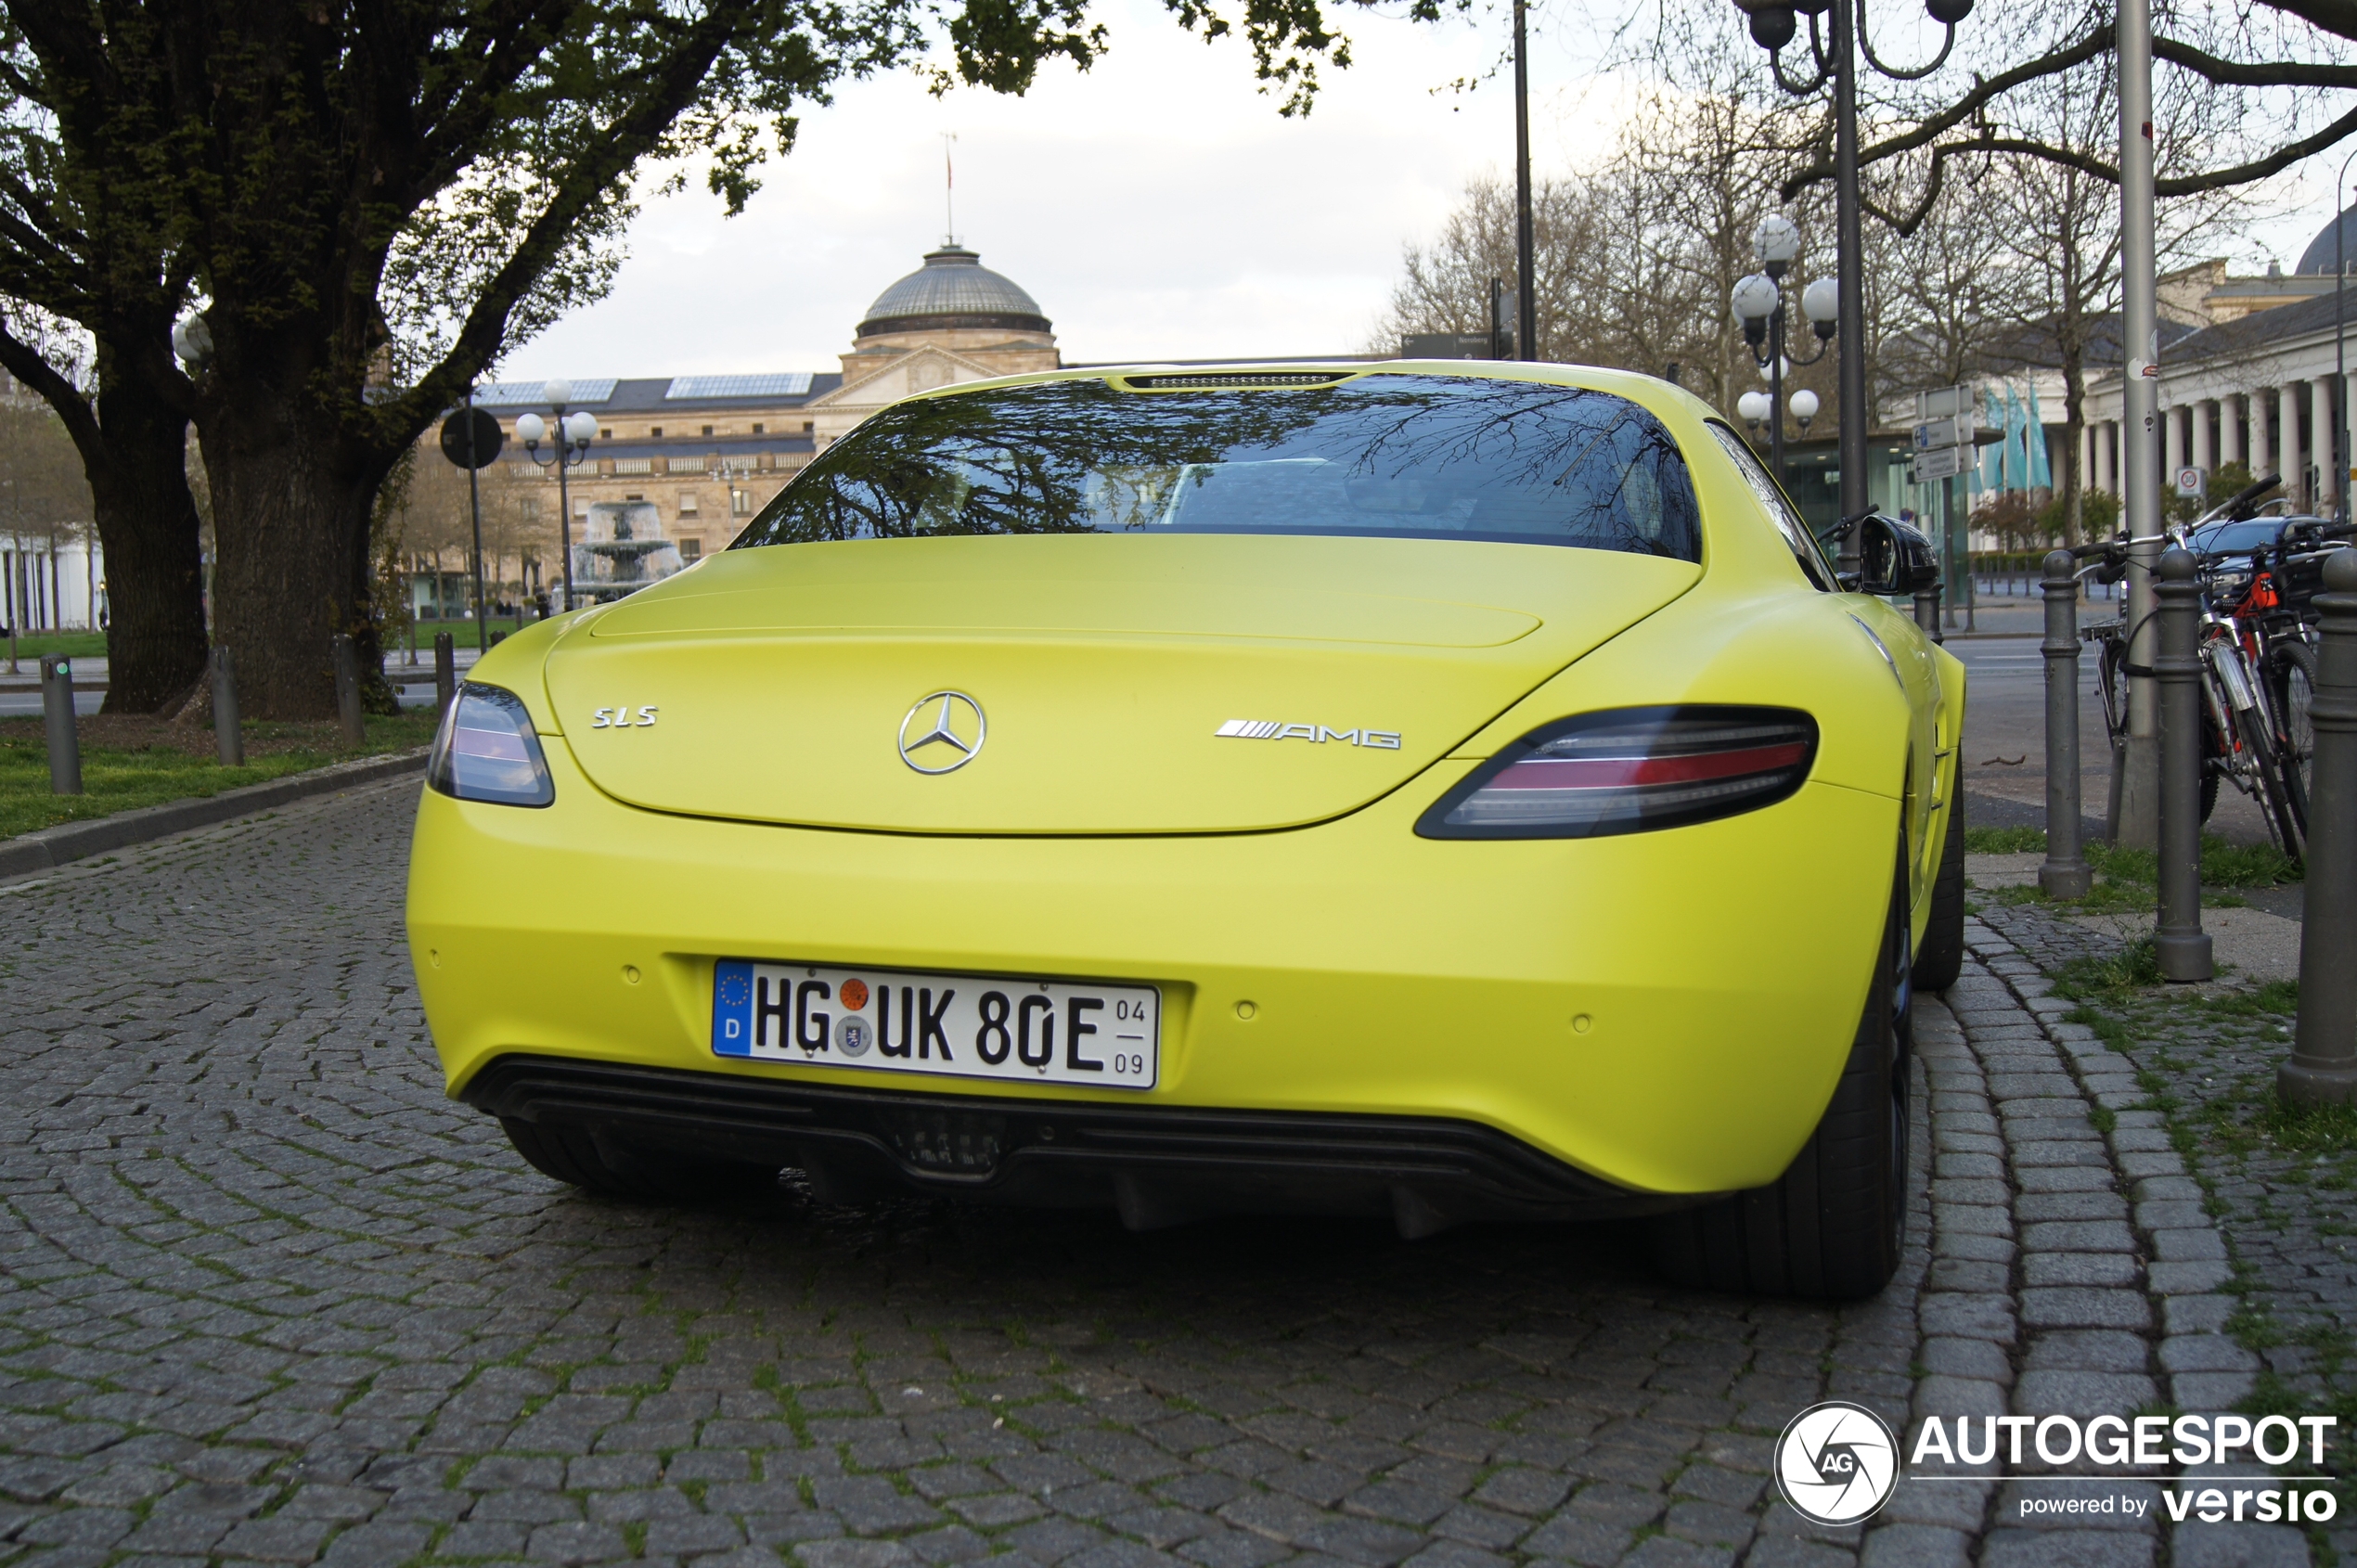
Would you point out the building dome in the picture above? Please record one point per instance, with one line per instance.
(952, 290)
(2318, 257)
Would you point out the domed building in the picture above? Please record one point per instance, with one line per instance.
(953, 319)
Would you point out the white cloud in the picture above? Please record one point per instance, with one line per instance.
(1157, 206)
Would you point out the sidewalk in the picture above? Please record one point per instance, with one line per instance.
(2075, 1271)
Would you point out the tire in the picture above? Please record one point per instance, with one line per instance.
(2292, 672)
(577, 1157)
(2283, 825)
(2213, 748)
(1830, 1228)
(1942, 957)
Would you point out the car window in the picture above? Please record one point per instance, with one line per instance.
(1779, 505)
(1377, 455)
(2237, 538)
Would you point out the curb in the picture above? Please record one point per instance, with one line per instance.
(48, 848)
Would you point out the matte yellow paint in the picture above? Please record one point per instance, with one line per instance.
(1102, 703)
(1719, 968)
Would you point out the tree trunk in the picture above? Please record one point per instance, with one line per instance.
(291, 506)
(148, 527)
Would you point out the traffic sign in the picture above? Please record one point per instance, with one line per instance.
(1955, 429)
(1944, 402)
(487, 439)
(2192, 483)
(1941, 462)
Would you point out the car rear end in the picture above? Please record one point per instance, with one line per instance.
(1426, 870)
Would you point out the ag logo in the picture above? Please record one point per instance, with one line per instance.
(1837, 1462)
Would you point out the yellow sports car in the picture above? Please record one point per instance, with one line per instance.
(1443, 791)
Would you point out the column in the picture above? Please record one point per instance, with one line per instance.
(2107, 456)
(2349, 412)
(2172, 443)
(2288, 447)
(2086, 458)
(2230, 429)
(2200, 457)
(2262, 452)
(2320, 426)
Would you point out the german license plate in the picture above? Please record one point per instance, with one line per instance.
(948, 1026)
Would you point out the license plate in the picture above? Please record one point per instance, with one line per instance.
(947, 1026)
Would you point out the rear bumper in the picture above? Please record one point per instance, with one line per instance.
(1666, 1012)
(1155, 1164)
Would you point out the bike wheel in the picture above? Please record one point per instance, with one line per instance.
(2291, 671)
(2275, 802)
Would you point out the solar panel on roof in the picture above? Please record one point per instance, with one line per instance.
(596, 388)
(790, 383)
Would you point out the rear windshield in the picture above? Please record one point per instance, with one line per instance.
(1398, 456)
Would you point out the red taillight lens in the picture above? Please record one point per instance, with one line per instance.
(1628, 771)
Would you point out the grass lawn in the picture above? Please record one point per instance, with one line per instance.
(2129, 880)
(130, 760)
(30, 646)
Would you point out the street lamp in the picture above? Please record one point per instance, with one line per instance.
(1774, 25)
(2340, 348)
(1758, 302)
(574, 433)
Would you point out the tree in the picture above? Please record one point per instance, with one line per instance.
(2266, 76)
(86, 246)
(375, 198)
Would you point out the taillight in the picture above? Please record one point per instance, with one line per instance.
(485, 750)
(1628, 771)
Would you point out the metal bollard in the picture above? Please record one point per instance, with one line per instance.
(2064, 874)
(2183, 946)
(226, 736)
(445, 673)
(1927, 612)
(2322, 1069)
(56, 711)
(355, 729)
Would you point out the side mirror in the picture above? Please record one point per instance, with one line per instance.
(1894, 558)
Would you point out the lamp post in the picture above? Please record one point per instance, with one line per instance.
(1526, 283)
(1774, 25)
(1759, 303)
(574, 433)
(2340, 347)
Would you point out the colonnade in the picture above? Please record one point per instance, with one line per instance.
(2285, 428)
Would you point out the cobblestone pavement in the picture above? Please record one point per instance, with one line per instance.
(267, 1295)
(2204, 1058)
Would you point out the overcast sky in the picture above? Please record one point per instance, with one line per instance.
(1156, 207)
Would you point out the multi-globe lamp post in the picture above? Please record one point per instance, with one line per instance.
(574, 433)
(1775, 23)
(1759, 303)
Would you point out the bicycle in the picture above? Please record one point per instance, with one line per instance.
(2251, 724)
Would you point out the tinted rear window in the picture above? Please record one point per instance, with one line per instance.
(1414, 456)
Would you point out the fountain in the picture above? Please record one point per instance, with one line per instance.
(622, 549)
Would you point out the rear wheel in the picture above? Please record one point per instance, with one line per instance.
(1829, 1226)
(573, 1155)
(1942, 957)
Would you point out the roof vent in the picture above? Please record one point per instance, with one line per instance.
(1239, 378)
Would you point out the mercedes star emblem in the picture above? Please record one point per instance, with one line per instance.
(946, 719)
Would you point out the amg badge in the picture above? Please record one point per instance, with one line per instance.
(1316, 734)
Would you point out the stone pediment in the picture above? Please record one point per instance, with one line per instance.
(906, 375)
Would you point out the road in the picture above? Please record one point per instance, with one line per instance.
(266, 1293)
